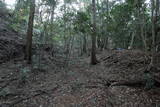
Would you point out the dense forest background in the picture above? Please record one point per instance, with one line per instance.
(129, 24)
(80, 53)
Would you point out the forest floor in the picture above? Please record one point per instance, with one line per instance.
(79, 84)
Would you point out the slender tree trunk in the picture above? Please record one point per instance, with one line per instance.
(84, 44)
(93, 52)
(153, 33)
(143, 30)
(65, 26)
(157, 14)
(141, 21)
(28, 54)
(71, 46)
(102, 28)
(132, 41)
(105, 45)
(143, 36)
(52, 14)
(157, 20)
(99, 36)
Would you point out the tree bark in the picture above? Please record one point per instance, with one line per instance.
(93, 52)
(106, 37)
(28, 54)
(84, 44)
(142, 31)
(132, 41)
(142, 23)
(153, 33)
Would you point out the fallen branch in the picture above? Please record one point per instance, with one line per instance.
(136, 83)
(8, 83)
(38, 93)
(108, 57)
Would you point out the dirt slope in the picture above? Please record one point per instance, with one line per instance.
(10, 43)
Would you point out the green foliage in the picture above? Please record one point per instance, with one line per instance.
(116, 20)
(24, 74)
(4, 92)
(82, 22)
(70, 1)
(51, 3)
(20, 17)
(119, 25)
(21, 4)
(149, 81)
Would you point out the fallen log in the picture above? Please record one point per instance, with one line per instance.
(103, 83)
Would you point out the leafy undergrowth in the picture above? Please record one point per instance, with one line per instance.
(79, 84)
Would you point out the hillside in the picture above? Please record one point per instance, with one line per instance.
(11, 45)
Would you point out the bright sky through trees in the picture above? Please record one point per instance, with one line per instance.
(10, 3)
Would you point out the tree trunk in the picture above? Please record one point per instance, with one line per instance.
(106, 43)
(84, 44)
(28, 54)
(106, 37)
(141, 20)
(52, 14)
(143, 36)
(93, 51)
(143, 30)
(157, 14)
(132, 41)
(153, 33)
